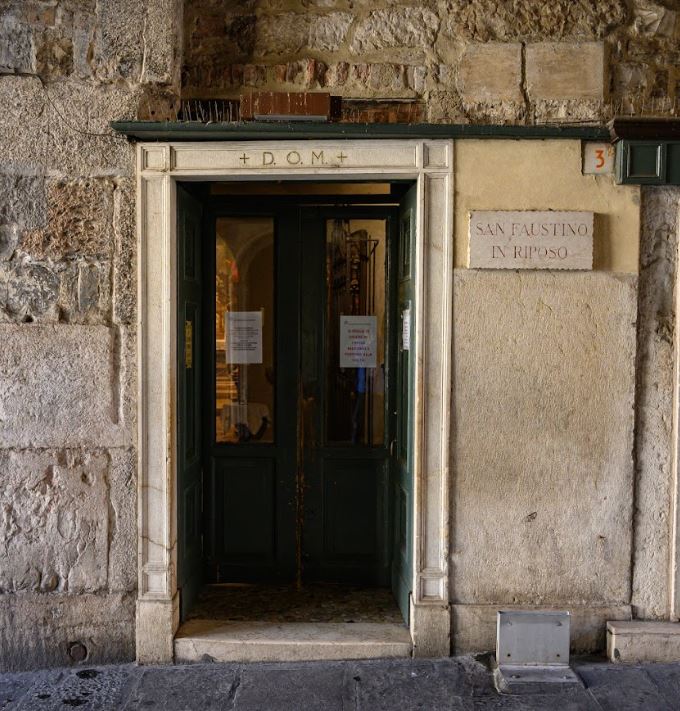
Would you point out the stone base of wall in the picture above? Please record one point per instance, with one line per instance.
(643, 641)
(60, 630)
(474, 626)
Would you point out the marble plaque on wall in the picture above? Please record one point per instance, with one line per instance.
(528, 239)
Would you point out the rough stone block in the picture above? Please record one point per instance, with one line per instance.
(39, 630)
(56, 528)
(655, 376)
(29, 290)
(9, 238)
(639, 641)
(81, 142)
(54, 56)
(16, 46)
(569, 111)
(489, 72)
(293, 32)
(122, 558)
(23, 125)
(652, 18)
(542, 437)
(396, 26)
(63, 386)
(630, 82)
(68, 291)
(528, 19)
(23, 200)
(162, 40)
(88, 286)
(120, 39)
(79, 220)
(565, 70)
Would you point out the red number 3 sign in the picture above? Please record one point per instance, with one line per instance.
(598, 158)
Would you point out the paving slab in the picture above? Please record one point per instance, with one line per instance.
(88, 689)
(572, 701)
(13, 687)
(667, 680)
(186, 688)
(624, 689)
(295, 687)
(410, 685)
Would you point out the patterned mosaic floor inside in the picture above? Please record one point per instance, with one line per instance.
(316, 602)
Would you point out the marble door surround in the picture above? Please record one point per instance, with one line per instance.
(159, 167)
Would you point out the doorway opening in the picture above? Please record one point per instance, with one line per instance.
(295, 303)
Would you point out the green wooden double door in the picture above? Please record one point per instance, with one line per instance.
(294, 394)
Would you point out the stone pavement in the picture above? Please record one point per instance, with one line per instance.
(455, 684)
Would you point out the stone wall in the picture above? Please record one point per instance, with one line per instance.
(654, 407)
(516, 61)
(68, 288)
(67, 319)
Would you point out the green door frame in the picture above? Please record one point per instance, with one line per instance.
(290, 218)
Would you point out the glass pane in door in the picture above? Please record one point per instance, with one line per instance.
(244, 330)
(355, 331)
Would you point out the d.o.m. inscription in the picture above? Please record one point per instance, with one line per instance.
(530, 240)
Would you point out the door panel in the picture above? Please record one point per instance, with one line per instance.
(350, 491)
(345, 412)
(189, 469)
(247, 531)
(254, 350)
(402, 464)
(310, 493)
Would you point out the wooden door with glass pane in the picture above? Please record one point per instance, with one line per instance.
(302, 350)
(346, 365)
(252, 493)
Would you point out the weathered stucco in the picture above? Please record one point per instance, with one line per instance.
(542, 438)
(545, 512)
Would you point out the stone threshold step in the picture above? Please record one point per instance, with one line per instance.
(220, 641)
(643, 641)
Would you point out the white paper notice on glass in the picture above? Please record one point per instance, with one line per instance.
(243, 330)
(358, 343)
(406, 329)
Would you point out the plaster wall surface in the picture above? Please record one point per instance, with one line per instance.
(543, 397)
(542, 439)
(546, 175)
